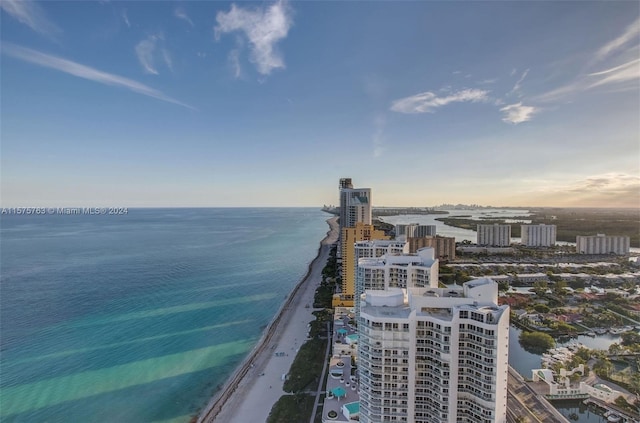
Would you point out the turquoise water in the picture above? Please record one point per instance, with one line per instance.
(141, 317)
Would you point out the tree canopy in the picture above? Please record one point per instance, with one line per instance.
(536, 341)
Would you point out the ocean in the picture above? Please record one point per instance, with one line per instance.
(139, 317)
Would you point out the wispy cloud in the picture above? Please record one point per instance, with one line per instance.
(629, 71)
(167, 59)
(630, 34)
(379, 124)
(149, 51)
(609, 190)
(518, 84)
(518, 113)
(263, 27)
(488, 81)
(32, 15)
(125, 18)
(85, 72)
(623, 74)
(145, 50)
(181, 14)
(428, 102)
(618, 183)
(622, 77)
(234, 61)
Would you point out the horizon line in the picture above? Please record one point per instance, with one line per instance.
(33, 209)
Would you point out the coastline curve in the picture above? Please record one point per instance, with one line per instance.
(260, 351)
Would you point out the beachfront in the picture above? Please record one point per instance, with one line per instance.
(256, 385)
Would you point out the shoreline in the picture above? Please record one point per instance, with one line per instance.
(257, 365)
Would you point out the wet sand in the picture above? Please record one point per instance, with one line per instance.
(249, 394)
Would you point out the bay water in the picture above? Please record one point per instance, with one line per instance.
(139, 317)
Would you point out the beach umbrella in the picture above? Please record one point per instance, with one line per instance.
(339, 392)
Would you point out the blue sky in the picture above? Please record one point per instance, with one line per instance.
(179, 103)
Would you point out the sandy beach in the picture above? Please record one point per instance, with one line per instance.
(256, 384)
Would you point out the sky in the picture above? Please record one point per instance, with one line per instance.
(211, 103)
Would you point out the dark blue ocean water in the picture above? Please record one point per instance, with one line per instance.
(139, 317)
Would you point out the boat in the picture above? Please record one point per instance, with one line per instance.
(613, 417)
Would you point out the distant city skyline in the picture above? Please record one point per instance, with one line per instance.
(207, 104)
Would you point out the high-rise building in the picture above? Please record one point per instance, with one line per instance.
(603, 244)
(379, 248)
(345, 183)
(401, 228)
(355, 204)
(428, 354)
(420, 231)
(414, 230)
(350, 238)
(494, 235)
(396, 271)
(538, 235)
(445, 246)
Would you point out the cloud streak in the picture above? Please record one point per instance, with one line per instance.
(30, 14)
(518, 84)
(623, 76)
(263, 27)
(631, 33)
(125, 18)
(428, 102)
(234, 62)
(379, 124)
(629, 71)
(144, 52)
(181, 14)
(85, 72)
(148, 53)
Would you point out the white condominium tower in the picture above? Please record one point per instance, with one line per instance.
(355, 204)
(538, 235)
(494, 235)
(375, 249)
(393, 270)
(433, 355)
(603, 244)
(421, 231)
